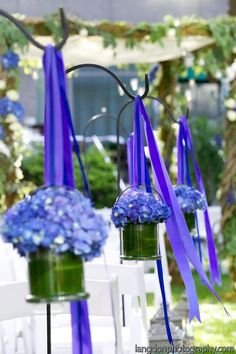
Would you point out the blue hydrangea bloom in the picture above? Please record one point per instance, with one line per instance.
(139, 207)
(189, 198)
(10, 60)
(7, 106)
(59, 218)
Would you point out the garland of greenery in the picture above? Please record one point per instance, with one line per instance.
(11, 113)
(221, 29)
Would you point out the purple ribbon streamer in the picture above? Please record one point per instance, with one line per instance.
(137, 160)
(138, 148)
(129, 150)
(183, 175)
(214, 265)
(58, 168)
(180, 239)
(53, 147)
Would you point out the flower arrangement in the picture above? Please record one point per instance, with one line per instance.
(138, 213)
(57, 218)
(190, 199)
(139, 207)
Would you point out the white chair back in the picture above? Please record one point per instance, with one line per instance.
(130, 278)
(103, 302)
(12, 301)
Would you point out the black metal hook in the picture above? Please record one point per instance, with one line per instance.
(111, 73)
(94, 119)
(31, 39)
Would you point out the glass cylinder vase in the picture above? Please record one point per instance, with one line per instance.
(55, 277)
(140, 242)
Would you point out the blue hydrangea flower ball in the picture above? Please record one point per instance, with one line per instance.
(139, 207)
(190, 199)
(58, 218)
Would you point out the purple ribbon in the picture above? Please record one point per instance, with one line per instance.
(129, 150)
(138, 148)
(183, 176)
(138, 162)
(180, 239)
(58, 167)
(213, 261)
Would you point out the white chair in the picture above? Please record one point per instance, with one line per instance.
(14, 306)
(131, 285)
(111, 257)
(10, 270)
(103, 303)
(113, 241)
(215, 218)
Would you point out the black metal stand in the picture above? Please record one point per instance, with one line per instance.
(49, 344)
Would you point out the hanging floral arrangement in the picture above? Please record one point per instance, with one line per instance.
(138, 214)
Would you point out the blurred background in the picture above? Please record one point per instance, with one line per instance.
(188, 51)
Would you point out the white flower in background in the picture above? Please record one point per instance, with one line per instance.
(13, 95)
(231, 115)
(171, 32)
(2, 85)
(218, 75)
(83, 32)
(230, 103)
(11, 118)
(230, 73)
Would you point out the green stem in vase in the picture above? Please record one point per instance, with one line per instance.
(190, 221)
(140, 242)
(55, 277)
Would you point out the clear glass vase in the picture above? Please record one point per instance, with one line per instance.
(140, 242)
(55, 277)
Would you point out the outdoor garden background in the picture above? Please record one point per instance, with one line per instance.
(204, 79)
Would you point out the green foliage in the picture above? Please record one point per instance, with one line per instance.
(10, 36)
(101, 174)
(108, 40)
(209, 153)
(223, 32)
(229, 231)
(32, 165)
(159, 31)
(53, 24)
(101, 177)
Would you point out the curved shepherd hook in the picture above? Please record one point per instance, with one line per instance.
(118, 129)
(95, 118)
(28, 35)
(92, 120)
(115, 77)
